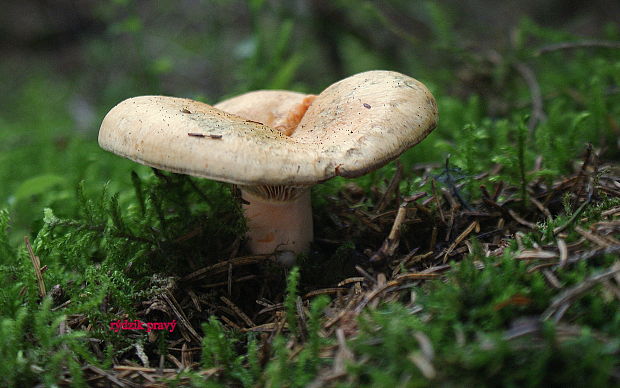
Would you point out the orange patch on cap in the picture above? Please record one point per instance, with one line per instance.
(268, 238)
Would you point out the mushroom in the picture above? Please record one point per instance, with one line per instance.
(275, 145)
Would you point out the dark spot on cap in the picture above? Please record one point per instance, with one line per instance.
(367, 106)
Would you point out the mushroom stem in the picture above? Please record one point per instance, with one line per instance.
(278, 225)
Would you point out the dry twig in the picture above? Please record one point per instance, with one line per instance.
(36, 263)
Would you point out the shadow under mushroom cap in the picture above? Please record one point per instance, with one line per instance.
(355, 125)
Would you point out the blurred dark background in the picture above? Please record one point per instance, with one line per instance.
(90, 54)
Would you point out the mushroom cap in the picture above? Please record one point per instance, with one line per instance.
(269, 107)
(355, 125)
(364, 121)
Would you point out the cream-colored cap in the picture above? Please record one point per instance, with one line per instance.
(279, 109)
(353, 126)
